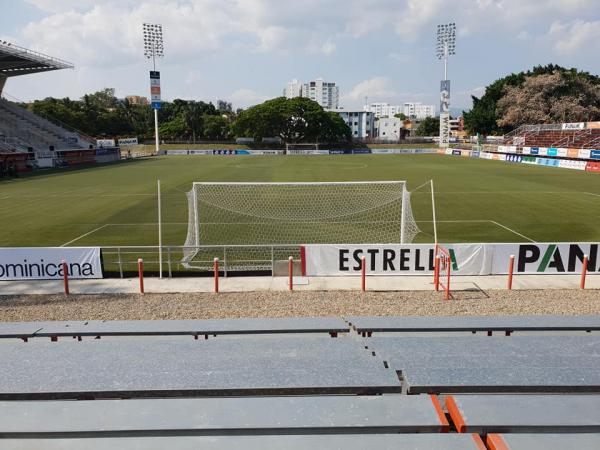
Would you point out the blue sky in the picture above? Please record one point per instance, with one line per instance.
(245, 51)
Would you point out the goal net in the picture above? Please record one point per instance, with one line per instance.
(298, 213)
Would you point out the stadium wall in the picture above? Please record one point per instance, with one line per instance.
(359, 151)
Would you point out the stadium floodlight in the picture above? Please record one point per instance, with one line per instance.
(153, 42)
(446, 44)
(154, 48)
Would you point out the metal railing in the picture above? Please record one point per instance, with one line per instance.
(123, 260)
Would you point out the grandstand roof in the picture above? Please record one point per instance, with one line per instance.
(15, 60)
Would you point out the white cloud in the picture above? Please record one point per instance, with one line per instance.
(378, 87)
(575, 36)
(246, 97)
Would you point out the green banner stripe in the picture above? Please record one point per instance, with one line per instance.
(546, 259)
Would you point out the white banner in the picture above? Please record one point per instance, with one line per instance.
(105, 142)
(128, 141)
(392, 259)
(466, 259)
(573, 126)
(44, 263)
(444, 130)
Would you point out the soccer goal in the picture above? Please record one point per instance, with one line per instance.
(371, 212)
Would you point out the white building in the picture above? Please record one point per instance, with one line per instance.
(419, 111)
(293, 89)
(388, 128)
(361, 123)
(383, 109)
(325, 94)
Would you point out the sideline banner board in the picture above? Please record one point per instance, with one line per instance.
(44, 263)
(128, 141)
(466, 259)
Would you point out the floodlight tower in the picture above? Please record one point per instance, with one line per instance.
(446, 47)
(153, 48)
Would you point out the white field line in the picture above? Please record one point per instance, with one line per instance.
(590, 193)
(513, 231)
(504, 192)
(84, 235)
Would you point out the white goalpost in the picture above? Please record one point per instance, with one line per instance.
(368, 212)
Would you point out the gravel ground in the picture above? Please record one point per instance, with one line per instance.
(296, 304)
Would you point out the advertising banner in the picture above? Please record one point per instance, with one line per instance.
(527, 150)
(552, 151)
(592, 167)
(44, 263)
(543, 151)
(105, 142)
(584, 154)
(392, 259)
(466, 259)
(573, 152)
(534, 151)
(445, 96)
(563, 152)
(593, 125)
(128, 141)
(444, 129)
(155, 94)
(573, 126)
(456, 152)
(595, 154)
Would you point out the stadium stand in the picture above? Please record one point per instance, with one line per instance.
(285, 383)
(555, 135)
(21, 130)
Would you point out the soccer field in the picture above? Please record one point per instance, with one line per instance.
(477, 200)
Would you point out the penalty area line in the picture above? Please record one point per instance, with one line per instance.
(86, 234)
(512, 231)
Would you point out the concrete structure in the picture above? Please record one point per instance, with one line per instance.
(383, 109)
(388, 128)
(325, 93)
(361, 123)
(418, 111)
(137, 100)
(293, 89)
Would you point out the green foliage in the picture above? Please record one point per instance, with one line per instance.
(483, 117)
(216, 128)
(293, 120)
(102, 114)
(400, 116)
(429, 126)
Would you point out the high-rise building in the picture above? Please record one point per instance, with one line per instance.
(325, 94)
(383, 109)
(418, 111)
(293, 89)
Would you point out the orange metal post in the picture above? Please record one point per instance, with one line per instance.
(141, 274)
(291, 273)
(363, 274)
(216, 270)
(448, 269)
(511, 268)
(65, 277)
(436, 273)
(584, 271)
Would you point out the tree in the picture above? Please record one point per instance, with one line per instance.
(401, 116)
(215, 127)
(483, 117)
(550, 98)
(173, 129)
(293, 120)
(429, 126)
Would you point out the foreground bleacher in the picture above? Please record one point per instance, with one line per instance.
(420, 383)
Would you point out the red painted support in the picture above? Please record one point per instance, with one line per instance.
(291, 273)
(511, 268)
(141, 274)
(436, 273)
(216, 271)
(65, 277)
(363, 274)
(584, 271)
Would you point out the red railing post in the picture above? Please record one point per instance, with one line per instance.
(65, 276)
(363, 274)
(448, 268)
(141, 274)
(436, 273)
(291, 273)
(584, 271)
(511, 268)
(216, 271)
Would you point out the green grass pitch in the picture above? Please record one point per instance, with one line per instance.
(477, 200)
